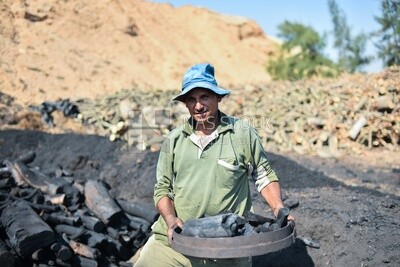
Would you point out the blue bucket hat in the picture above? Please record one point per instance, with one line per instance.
(200, 75)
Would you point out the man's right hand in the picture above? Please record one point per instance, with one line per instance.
(174, 223)
(166, 208)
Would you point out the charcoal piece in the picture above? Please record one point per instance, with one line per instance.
(281, 219)
(248, 229)
(47, 108)
(101, 203)
(221, 225)
(60, 218)
(25, 229)
(138, 209)
(105, 243)
(61, 249)
(138, 223)
(91, 223)
(23, 174)
(71, 231)
(264, 227)
(256, 219)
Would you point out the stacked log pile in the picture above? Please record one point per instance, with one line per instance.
(141, 118)
(329, 118)
(59, 221)
(324, 117)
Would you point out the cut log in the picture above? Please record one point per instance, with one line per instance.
(61, 249)
(138, 223)
(104, 243)
(23, 174)
(355, 130)
(26, 230)
(92, 223)
(90, 238)
(101, 203)
(71, 231)
(138, 209)
(59, 218)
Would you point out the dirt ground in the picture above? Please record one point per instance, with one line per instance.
(349, 205)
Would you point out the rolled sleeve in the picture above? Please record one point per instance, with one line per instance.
(262, 172)
(263, 175)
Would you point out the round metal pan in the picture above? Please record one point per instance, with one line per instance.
(234, 247)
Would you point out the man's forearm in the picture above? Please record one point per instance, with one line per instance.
(165, 207)
(272, 195)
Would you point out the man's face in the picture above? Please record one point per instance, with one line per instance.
(202, 105)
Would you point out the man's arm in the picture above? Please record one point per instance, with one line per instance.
(272, 195)
(163, 197)
(266, 180)
(165, 207)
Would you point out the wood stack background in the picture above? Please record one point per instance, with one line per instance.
(324, 117)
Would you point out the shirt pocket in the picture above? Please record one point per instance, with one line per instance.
(229, 163)
(230, 171)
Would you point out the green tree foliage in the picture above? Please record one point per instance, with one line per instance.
(389, 33)
(351, 49)
(301, 54)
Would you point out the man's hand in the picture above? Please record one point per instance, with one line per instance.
(290, 217)
(272, 195)
(166, 208)
(172, 224)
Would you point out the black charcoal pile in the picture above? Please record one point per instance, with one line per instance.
(54, 219)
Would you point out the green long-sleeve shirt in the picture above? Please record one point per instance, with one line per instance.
(213, 179)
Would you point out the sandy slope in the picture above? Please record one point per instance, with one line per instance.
(75, 49)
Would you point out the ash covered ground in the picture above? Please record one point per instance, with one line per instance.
(349, 205)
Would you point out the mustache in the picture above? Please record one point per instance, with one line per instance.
(199, 111)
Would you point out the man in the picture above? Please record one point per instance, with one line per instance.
(203, 170)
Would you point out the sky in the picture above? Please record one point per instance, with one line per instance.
(360, 17)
